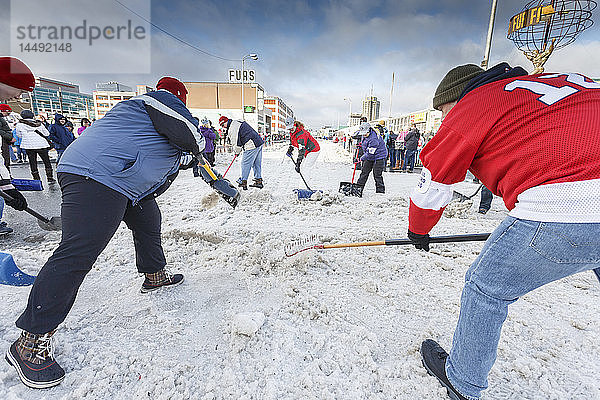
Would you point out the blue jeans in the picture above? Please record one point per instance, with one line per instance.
(252, 159)
(519, 257)
(409, 158)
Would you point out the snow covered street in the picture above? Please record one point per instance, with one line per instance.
(250, 323)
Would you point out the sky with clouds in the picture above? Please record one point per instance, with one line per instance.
(314, 54)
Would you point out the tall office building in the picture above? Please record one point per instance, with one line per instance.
(370, 108)
(51, 96)
(280, 112)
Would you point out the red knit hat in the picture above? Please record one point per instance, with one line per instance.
(13, 72)
(5, 107)
(223, 120)
(174, 86)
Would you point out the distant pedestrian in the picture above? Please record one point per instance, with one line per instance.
(244, 138)
(210, 134)
(411, 142)
(6, 128)
(60, 136)
(34, 140)
(84, 124)
(373, 158)
(391, 146)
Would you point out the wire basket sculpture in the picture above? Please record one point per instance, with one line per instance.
(546, 25)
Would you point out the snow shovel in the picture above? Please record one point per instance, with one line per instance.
(219, 184)
(461, 197)
(27, 184)
(301, 193)
(10, 274)
(308, 244)
(351, 188)
(52, 224)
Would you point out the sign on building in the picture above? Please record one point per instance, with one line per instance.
(235, 75)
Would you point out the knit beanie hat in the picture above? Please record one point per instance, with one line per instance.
(5, 108)
(174, 86)
(14, 73)
(27, 114)
(454, 83)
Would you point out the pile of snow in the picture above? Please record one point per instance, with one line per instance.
(251, 323)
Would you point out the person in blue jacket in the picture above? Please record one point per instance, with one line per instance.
(245, 138)
(374, 158)
(60, 136)
(113, 173)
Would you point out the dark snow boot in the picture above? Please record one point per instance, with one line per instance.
(243, 184)
(49, 176)
(32, 356)
(434, 361)
(35, 175)
(160, 279)
(258, 183)
(357, 190)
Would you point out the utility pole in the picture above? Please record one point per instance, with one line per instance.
(391, 94)
(488, 43)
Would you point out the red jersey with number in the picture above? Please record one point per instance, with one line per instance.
(532, 139)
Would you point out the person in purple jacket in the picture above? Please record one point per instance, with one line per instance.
(374, 157)
(210, 134)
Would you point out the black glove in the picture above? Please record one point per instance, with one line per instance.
(290, 150)
(17, 202)
(420, 242)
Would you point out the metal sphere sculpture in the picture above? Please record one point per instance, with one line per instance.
(545, 25)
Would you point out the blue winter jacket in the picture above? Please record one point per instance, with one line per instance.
(59, 134)
(374, 147)
(136, 147)
(243, 135)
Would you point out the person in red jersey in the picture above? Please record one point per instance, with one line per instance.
(533, 140)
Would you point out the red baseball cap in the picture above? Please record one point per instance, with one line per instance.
(223, 120)
(174, 86)
(5, 107)
(13, 72)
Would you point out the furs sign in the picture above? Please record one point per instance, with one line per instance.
(235, 75)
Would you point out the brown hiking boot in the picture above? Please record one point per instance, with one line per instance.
(160, 279)
(32, 356)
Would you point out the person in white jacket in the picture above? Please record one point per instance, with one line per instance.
(33, 136)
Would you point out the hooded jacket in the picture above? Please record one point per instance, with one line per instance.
(30, 140)
(136, 147)
(374, 147)
(59, 134)
(209, 135)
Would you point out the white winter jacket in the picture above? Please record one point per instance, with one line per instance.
(30, 140)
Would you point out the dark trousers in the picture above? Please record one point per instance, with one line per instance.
(6, 154)
(409, 159)
(210, 157)
(392, 157)
(32, 156)
(486, 199)
(91, 214)
(377, 166)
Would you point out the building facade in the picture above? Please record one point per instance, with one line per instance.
(51, 96)
(354, 119)
(108, 94)
(370, 108)
(211, 100)
(280, 111)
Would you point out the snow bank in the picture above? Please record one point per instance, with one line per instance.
(333, 324)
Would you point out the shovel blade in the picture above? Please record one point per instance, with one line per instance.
(11, 275)
(458, 196)
(53, 224)
(350, 189)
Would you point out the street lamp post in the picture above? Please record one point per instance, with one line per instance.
(253, 57)
(350, 113)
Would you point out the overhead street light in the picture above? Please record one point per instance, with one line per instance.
(251, 56)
